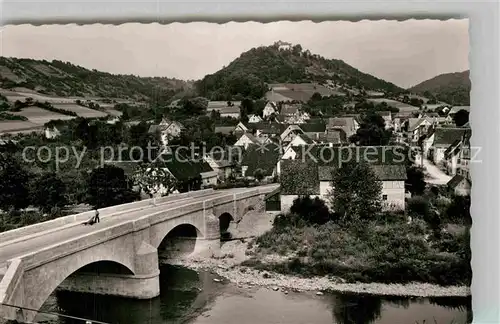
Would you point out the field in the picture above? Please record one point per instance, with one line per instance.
(81, 111)
(40, 116)
(26, 93)
(298, 91)
(396, 104)
(15, 126)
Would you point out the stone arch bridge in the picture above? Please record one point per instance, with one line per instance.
(35, 260)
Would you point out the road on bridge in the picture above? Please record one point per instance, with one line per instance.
(49, 238)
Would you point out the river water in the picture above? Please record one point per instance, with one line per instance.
(194, 297)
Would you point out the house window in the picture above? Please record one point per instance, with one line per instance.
(384, 197)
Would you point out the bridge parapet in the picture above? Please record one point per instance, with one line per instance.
(34, 229)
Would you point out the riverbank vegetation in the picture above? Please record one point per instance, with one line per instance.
(365, 244)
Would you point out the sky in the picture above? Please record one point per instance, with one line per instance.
(405, 53)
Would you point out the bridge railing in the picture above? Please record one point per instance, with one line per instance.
(27, 231)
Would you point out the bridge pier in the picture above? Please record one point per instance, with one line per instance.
(209, 244)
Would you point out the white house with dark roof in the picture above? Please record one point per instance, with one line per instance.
(290, 132)
(418, 127)
(254, 118)
(240, 128)
(167, 130)
(269, 109)
(299, 140)
(247, 139)
(442, 139)
(392, 177)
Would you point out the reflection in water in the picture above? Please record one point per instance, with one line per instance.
(356, 309)
(461, 303)
(191, 297)
(184, 294)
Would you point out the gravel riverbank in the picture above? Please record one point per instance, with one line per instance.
(244, 276)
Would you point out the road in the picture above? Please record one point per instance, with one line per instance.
(32, 244)
(437, 176)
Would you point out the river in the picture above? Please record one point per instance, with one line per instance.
(194, 297)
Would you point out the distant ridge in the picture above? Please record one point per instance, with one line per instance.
(453, 88)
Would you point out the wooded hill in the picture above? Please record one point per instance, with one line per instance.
(248, 75)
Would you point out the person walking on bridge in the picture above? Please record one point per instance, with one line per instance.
(96, 216)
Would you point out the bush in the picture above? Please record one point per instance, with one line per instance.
(418, 206)
(312, 211)
(459, 210)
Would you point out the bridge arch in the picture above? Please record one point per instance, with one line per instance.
(42, 281)
(225, 220)
(180, 238)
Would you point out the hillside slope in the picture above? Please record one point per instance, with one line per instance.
(452, 88)
(65, 79)
(252, 70)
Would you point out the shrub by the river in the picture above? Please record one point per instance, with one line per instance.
(389, 253)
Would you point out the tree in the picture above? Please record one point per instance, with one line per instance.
(372, 131)
(415, 182)
(259, 174)
(14, 184)
(48, 191)
(152, 178)
(357, 193)
(461, 117)
(108, 186)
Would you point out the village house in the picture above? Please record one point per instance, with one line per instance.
(226, 130)
(314, 129)
(441, 138)
(289, 133)
(257, 158)
(189, 172)
(241, 128)
(459, 185)
(387, 116)
(225, 108)
(247, 139)
(464, 156)
(223, 162)
(299, 140)
(451, 155)
(417, 127)
(453, 110)
(289, 110)
(269, 109)
(266, 129)
(347, 124)
(254, 118)
(334, 137)
(383, 161)
(167, 130)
